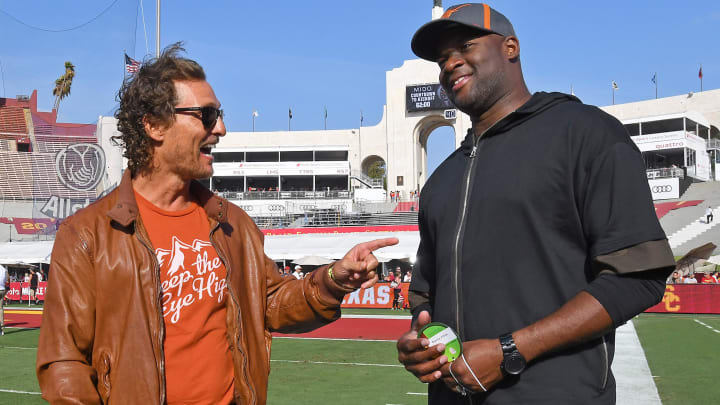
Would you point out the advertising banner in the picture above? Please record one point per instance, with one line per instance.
(21, 291)
(30, 226)
(260, 169)
(664, 189)
(378, 296)
(702, 165)
(427, 97)
(68, 182)
(689, 299)
(665, 140)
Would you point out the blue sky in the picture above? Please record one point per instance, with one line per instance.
(306, 55)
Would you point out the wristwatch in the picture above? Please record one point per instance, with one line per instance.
(513, 362)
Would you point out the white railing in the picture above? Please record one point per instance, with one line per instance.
(665, 173)
(367, 179)
(285, 195)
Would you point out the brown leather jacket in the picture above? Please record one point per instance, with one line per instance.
(102, 329)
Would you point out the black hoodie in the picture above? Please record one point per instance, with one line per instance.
(510, 224)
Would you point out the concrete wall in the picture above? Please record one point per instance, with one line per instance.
(399, 138)
(707, 103)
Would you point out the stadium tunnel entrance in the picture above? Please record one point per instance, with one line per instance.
(429, 151)
(374, 168)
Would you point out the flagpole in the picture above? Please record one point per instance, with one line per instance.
(157, 31)
(701, 77)
(360, 142)
(656, 86)
(613, 95)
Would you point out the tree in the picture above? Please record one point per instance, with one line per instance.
(63, 84)
(376, 170)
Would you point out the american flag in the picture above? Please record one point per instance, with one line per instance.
(131, 65)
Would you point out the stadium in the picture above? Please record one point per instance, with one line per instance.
(318, 193)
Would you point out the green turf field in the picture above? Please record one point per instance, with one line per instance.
(682, 353)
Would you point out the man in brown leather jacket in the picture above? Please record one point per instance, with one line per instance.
(160, 292)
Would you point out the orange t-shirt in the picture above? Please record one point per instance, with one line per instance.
(198, 362)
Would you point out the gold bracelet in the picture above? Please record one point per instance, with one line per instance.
(332, 277)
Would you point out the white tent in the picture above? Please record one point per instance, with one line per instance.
(277, 247)
(335, 245)
(25, 252)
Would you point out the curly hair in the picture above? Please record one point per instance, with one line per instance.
(149, 95)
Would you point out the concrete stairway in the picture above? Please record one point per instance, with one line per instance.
(694, 229)
(393, 218)
(685, 227)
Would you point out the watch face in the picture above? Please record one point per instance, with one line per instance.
(514, 364)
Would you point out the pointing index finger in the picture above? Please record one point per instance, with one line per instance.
(380, 243)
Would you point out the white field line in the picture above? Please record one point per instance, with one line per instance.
(17, 347)
(417, 393)
(21, 392)
(351, 340)
(337, 363)
(707, 326)
(379, 316)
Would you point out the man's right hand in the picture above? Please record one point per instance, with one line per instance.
(423, 361)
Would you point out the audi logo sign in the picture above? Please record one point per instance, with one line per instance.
(664, 189)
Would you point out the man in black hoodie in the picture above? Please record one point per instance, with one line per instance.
(538, 235)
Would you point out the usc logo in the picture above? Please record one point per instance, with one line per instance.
(670, 299)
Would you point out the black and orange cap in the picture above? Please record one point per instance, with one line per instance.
(478, 16)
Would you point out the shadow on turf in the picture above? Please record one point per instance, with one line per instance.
(12, 330)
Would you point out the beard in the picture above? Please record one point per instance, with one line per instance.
(482, 95)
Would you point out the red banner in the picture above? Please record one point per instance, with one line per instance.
(681, 299)
(341, 229)
(29, 226)
(21, 291)
(663, 208)
(689, 299)
(378, 296)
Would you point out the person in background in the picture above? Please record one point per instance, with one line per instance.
(707, 279)
(33, 285)
(298, 272)
(716, 276)
(690, 279)
(397, 290)
(675, 278)
(408, 277)
(708, 215)
(3, 282)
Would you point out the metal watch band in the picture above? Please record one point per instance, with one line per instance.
(508, 343)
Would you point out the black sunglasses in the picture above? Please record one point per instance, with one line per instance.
(209, 115)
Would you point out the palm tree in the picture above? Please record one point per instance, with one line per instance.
(63, 84)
